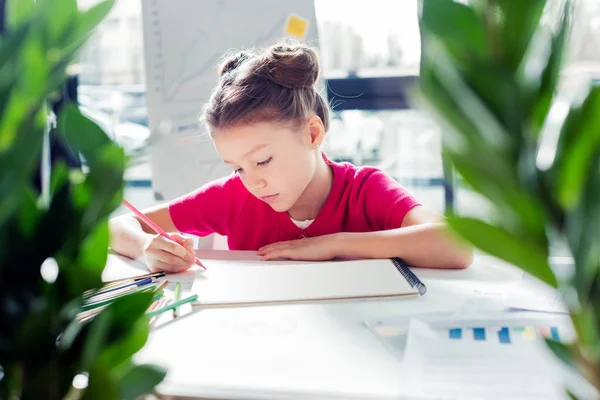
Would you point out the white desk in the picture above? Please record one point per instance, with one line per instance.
(299, 351)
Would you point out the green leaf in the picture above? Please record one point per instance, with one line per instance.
(81, 194)
(97, 338)
(102, 386)
(10, 48)
(497, 183)
(502, 244)
(551, 72)
(571, 395)
(59, 214)
(583, 231)
(35, 74)
(16, 168)
(129, 328)
(81, 133)
(28, 214)
(93, 254)
(578, 143)
(457, 25)
(19, 12)
(435, 97)
(89, 20)
(70, 334)
(563, 352)
(127, 309)
(131, 339)
(519, 22)
(9, 203)
(71, 308)
(34, 53)
(496, 87)
(60, 176)
(62, 14)
(86, 23)
(15, 114)
(105, 159)
(587, 327)
(140, 380)
(105, 177)
(91, 259)
(489, 132)
(10, 45)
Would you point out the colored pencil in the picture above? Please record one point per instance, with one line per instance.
(172, 306)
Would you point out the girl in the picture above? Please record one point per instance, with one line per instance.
(287, 199)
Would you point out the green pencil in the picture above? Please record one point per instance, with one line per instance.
(172, 306)
(177, 297)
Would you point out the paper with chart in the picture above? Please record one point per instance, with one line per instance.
(508, 326)
(490, 362)
(183, 43)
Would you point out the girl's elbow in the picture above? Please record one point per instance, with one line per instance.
(464, 259)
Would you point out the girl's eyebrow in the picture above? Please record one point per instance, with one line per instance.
(254, 150)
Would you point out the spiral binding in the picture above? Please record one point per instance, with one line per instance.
(410, 277)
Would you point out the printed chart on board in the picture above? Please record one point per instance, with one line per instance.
(184, 41)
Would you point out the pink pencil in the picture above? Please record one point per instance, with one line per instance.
(156, 228)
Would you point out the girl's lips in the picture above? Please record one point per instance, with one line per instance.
(270, 198)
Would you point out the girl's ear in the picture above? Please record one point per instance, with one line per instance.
(316, 131)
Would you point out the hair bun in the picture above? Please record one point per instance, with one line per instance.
(233, 61)
(291, 66)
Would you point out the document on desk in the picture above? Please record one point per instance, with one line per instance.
(533, 295)
(240, 283)
(481, 363)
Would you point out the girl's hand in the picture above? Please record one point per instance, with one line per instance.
(162, 254)
(307, 249)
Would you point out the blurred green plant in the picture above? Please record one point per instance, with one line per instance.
(54, 243)
(490, 71)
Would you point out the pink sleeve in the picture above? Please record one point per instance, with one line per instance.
(209, 209)
(386, 202)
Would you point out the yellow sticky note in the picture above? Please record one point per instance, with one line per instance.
(529, 333)
(296, 26)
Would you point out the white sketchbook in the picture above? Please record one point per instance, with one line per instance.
(243, 282)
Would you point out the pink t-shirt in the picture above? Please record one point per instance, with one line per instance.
(362, 199)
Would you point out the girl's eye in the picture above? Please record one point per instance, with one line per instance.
(260, 164)
(268, 160)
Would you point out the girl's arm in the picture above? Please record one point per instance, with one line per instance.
(422, 241)
(129, 234)
(204, 211)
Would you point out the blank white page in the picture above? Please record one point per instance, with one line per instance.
(256, 282)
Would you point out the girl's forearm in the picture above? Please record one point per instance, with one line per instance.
(427, 245)
(127, 237)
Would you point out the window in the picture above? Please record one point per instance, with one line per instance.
(366, 39)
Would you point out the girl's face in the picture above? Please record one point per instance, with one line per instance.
(275, 162)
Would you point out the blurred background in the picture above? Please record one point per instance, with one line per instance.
(370, 56)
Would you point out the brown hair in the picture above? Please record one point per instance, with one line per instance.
(276, 84)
